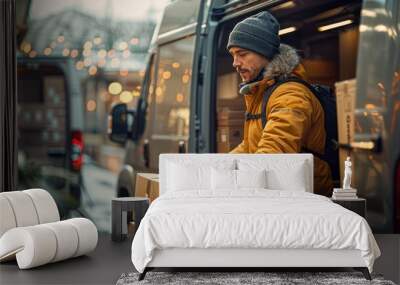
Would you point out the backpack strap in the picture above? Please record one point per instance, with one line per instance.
(249, 116)
(267, 94)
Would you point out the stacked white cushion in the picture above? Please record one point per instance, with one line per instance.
(23, 208)
(66, 237)
(45, 205)
(7, 219)
(41, 244)
(32, 246)
(31, 231)
(26, 208)
(87, 235)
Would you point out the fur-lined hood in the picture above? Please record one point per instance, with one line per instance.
(280, 67)
(283, 64)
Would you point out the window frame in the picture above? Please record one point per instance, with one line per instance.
(169, 136)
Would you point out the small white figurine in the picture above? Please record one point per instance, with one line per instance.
(347, 174)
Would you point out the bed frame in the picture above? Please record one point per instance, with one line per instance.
(246, 258)
(242, 259)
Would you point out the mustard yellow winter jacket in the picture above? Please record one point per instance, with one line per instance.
(295, 120)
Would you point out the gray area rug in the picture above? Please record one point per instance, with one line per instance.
(226, 278)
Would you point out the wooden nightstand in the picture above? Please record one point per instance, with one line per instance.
(358, 206)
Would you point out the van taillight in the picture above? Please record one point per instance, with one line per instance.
(397, 198)
(76, 150)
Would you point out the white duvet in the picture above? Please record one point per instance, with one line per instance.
(251, 218)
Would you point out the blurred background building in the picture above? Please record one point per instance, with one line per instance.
(75, 59)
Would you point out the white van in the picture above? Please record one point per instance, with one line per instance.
(190, 101)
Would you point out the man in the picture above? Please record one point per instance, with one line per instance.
(295, 117)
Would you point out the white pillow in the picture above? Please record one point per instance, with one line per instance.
(281, 174)
(237, 179)
(223, 179)
(290, 179)
(251, 178)
(182, 177)
(190, 176)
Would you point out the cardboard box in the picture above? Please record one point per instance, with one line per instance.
(230, 126)
(227, 117)
(345, 104)
(227, 87)
(228, 139)
(147, 185)
(227, 147)
(231, 133)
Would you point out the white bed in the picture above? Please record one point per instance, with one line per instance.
(200, 226)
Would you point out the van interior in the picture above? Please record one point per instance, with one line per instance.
(325, 34)
(41, 99)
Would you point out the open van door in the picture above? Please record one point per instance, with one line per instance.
(172, 105)
(377, 114)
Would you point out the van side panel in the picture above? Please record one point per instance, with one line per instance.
(376, 114)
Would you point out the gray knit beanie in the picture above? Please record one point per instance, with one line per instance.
(258, 33)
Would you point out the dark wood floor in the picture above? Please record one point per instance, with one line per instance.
(110, 259)
(102, 266)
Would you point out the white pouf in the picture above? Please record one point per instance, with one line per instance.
(31, 231)
(45, 205)
(87, 234)
(33, 246)
(7, 218)
(41, 244)
(23, 208)
(67, 239)
(26, 208)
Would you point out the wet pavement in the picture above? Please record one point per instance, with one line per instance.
(97, 193)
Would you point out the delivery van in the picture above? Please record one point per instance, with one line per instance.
(50, 126)
(190, 101)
